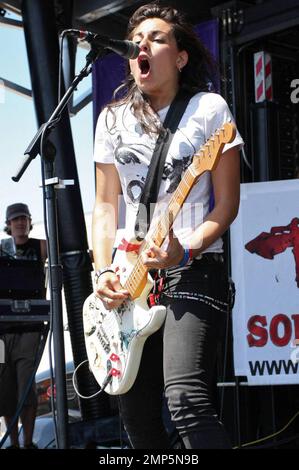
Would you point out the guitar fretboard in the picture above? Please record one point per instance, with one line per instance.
(161, 229)
(206, 159)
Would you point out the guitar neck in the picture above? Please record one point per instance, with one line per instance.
(160, 230)
(165, 221)
(206, 159)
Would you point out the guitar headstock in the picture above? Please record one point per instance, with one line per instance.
(208, 155)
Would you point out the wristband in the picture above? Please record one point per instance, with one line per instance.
(107, 269)
(187, 256)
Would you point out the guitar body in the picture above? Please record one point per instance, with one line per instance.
(114, 338)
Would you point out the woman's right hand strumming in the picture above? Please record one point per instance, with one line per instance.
(110, 291)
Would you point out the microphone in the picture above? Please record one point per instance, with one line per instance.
(127, 49)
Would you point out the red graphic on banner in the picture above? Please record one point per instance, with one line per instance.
(277, 241)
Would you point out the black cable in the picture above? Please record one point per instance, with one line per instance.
(121, 443)
(50, 284)
(271, 444)
(224, 364)
(105, 383)
(42, 153)
(63, 35)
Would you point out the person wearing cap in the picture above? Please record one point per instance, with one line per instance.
(21, 342)
(18, 225)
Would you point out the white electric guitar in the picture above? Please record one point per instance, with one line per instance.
(114, 338)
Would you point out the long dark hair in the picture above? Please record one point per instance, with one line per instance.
(197, 75)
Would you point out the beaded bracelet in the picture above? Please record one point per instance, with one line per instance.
(187, 256)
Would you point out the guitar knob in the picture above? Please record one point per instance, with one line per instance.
(115, 372)
(114, 357)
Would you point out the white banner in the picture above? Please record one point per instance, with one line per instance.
(265, 269)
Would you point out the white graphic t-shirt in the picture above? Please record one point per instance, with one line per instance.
(127, 146)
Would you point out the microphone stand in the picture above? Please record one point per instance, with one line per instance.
(47, 151)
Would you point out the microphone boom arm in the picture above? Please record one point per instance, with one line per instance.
(125, 48)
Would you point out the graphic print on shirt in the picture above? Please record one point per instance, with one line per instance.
(199, 121)
(135, 188)
(29, 250)
(136, 154)
(177, 161)
(131, 154)
(127, 153)
(174, 170)
(29, 254)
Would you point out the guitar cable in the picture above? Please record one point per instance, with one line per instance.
(106, 382)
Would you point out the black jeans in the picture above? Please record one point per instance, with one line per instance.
(195, 297)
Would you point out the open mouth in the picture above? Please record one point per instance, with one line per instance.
(144, 66)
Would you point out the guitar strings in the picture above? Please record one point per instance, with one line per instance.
(176, 202)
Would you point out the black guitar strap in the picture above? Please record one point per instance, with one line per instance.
(155, 171)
